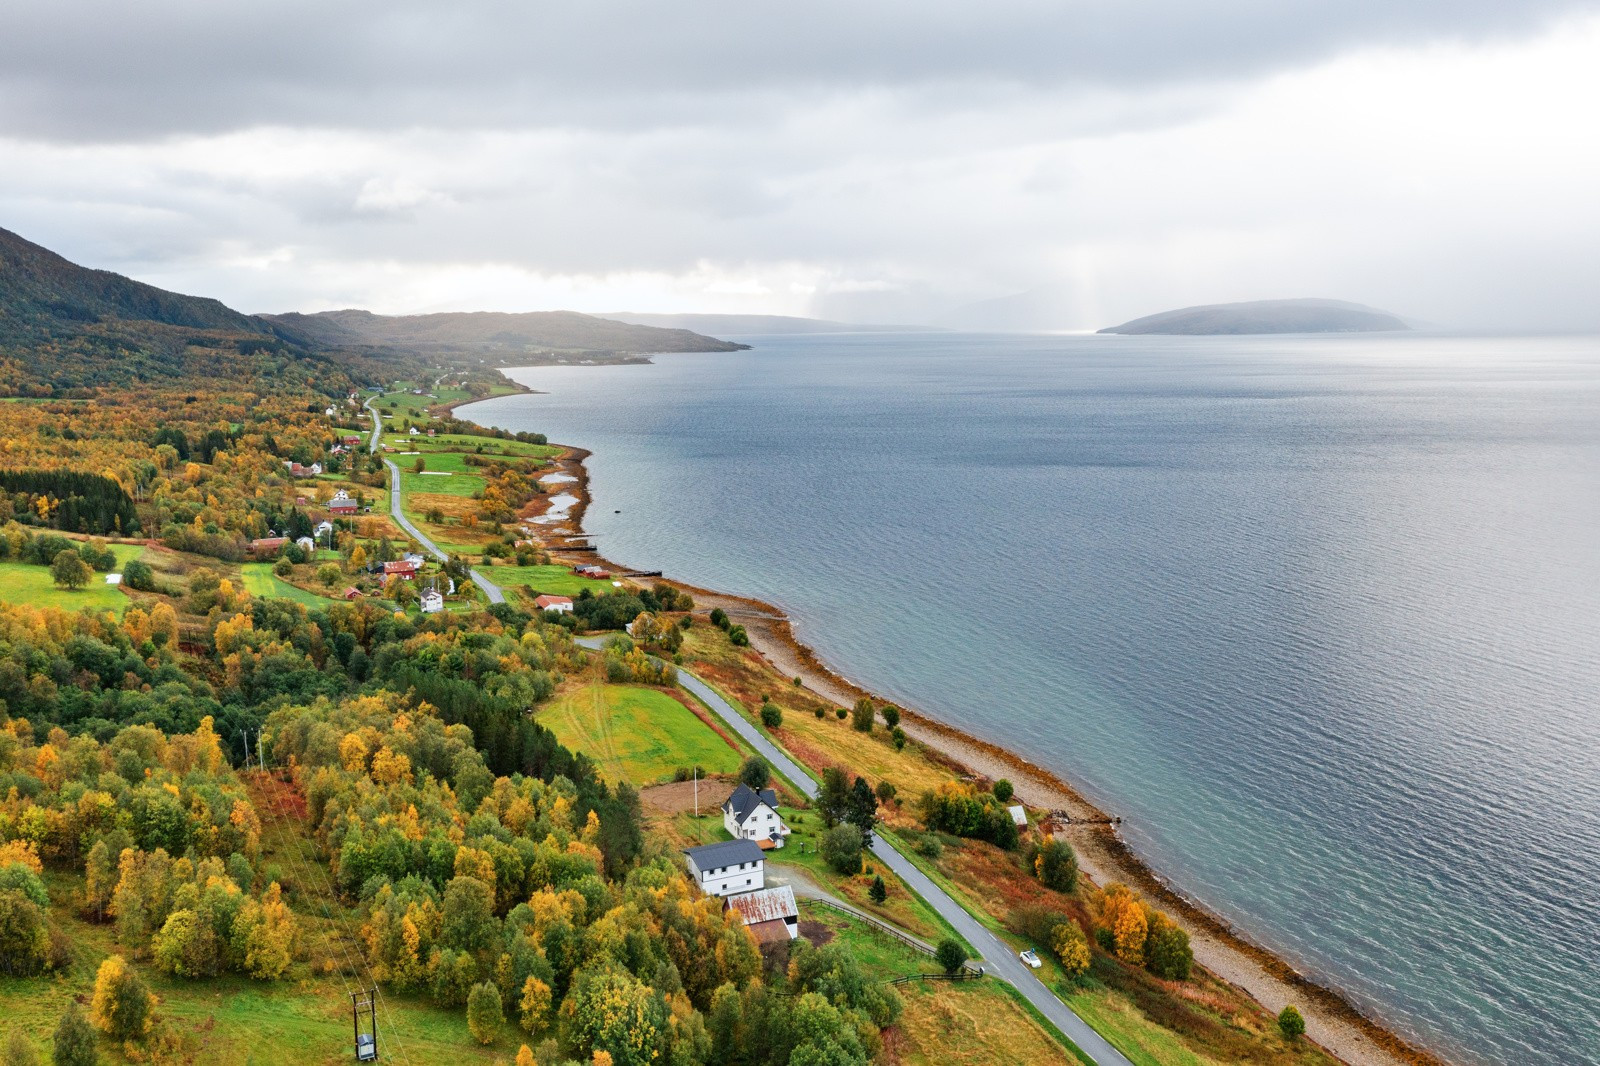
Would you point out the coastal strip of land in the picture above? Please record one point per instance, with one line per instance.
(1331, 1019)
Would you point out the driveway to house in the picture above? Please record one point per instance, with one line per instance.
(490, 589)
(998, 958)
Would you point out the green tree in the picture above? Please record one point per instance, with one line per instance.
(1166, 949)
(1291, 1024)
(771, 715)
(469, 923)
(891, 716)
(329, 574)
(74, 1043)
(485, 1012)
(24, 941)
(879, 891)
(862, 811)
(137, 575)
(755, 773)
(70, 571)
(841, 848)
(950, 955)
(1056, 865)
(833, 798)
(863, 716)
(1003, 791)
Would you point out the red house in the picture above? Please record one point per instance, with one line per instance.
(267, 545)
(405, 568)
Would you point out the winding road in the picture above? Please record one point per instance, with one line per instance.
(998, 958)
(490, 589)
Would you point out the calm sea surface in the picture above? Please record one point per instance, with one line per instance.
(1319, 616)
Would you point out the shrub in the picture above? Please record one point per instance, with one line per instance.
(962, 809)
(1290, 1023)
(862, 717)
(719, 618)
(74, 1040)
(929, 847)
(950, 955)
(897, 737)
(738, 637)
(841, 848)
(1056, 866)
(891, 715)
(1072, 948)
(137, 575)
(1003, 791)
(819, 712)
(485, 1012)
(755, 772)
(283, 568)
(885, 791)
(19, 1052)
(771, 715)
(841, 714)
(879, 891)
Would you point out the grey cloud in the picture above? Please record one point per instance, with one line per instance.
(82, 70)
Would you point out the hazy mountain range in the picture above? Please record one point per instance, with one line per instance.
(1266, 316)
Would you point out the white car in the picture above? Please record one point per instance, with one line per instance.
(1031, 958)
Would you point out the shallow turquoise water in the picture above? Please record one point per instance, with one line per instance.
(1319, 616)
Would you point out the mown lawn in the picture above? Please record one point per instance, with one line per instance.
(552, 579)
(441, 484)
(636, 734)
(27, 583)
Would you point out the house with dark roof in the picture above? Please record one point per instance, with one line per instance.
(771, 914)
(728, 868)
(752, 815)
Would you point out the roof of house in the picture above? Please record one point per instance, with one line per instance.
(1019, 814)
(345, 504)
(550, 601)
(769, 904)
(351, 592)
(727, 853)
(268, 543)
(401, 566)
(745, 799)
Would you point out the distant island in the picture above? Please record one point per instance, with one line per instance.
(1266, 316)
(719, 324)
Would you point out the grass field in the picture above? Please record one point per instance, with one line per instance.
(636, 734)
(259, 580)
(553, 579)
(973, 1022)
(440, 484)
(27, 583)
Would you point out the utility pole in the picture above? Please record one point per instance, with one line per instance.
(697, 792)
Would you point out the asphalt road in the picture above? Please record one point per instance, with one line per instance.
(998, 958)
(490, 589)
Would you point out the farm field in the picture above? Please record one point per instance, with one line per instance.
(637, 734)
(27, 583)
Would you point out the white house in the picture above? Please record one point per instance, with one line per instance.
(771, 915)
(432, 601)
(414, 431)
(323, 528)
(752, 815)
(306, 544)
(554, 603)
(728, 868)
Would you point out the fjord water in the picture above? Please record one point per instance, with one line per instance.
(1319, 616)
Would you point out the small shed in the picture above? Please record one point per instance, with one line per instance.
(1019, 814)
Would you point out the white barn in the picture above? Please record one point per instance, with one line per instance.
(728, 868)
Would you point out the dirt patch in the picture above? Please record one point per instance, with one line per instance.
(815, 932)
(678, 796)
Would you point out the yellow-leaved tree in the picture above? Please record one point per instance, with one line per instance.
(1125, 917)
(122, 1003)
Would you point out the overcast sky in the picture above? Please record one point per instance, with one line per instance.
(888, 161)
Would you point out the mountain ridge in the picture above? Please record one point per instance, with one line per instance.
(494, 332)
